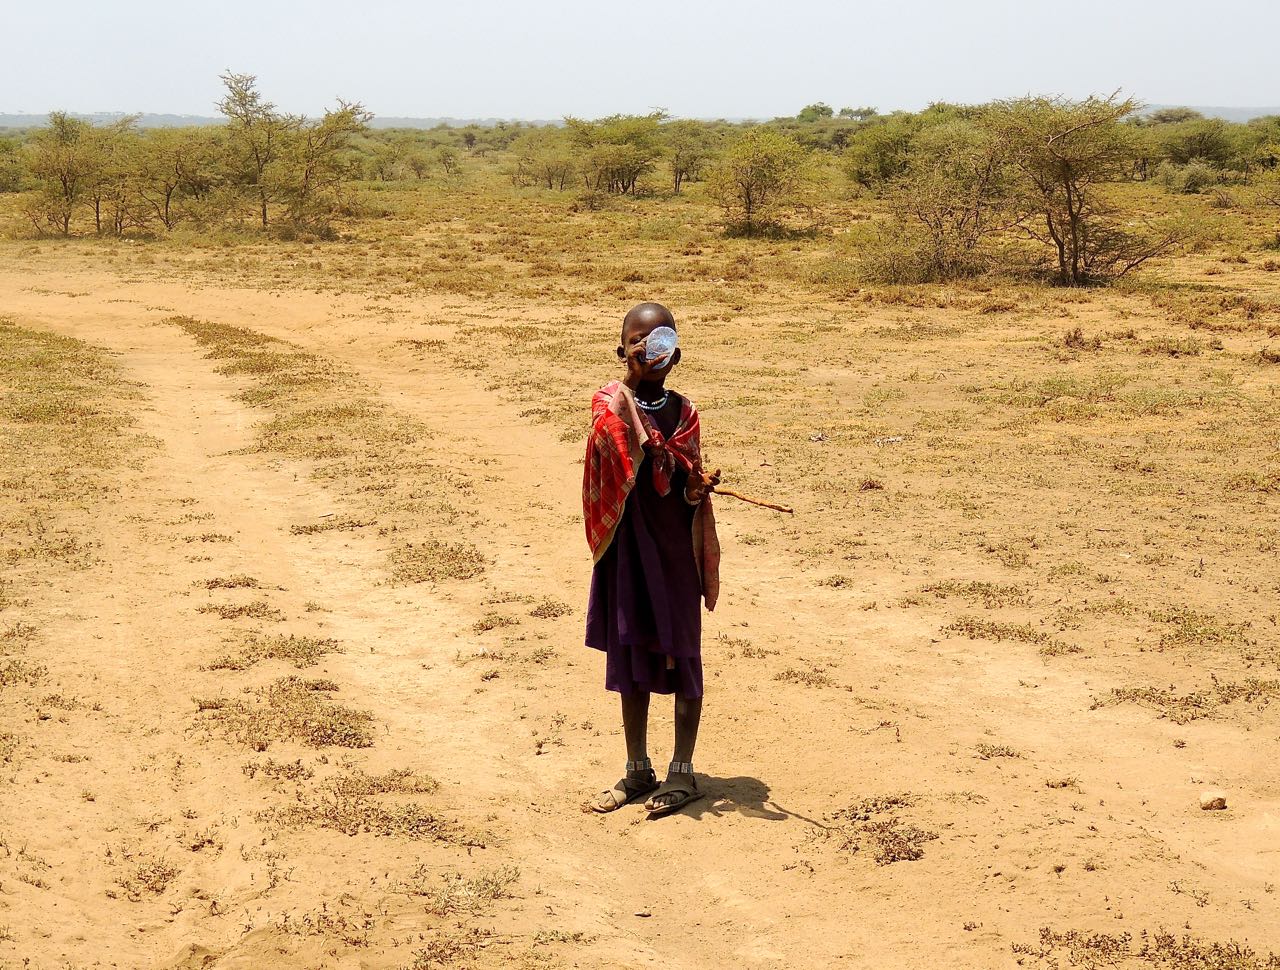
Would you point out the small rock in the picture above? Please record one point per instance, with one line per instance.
(1213, 801)
(643, 912)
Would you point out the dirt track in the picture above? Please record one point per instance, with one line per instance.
(753, 875)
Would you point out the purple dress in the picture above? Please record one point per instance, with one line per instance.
(646, 594)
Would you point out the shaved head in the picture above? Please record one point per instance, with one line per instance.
(649, 316)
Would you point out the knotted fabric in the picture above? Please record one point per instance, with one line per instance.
(620, 435)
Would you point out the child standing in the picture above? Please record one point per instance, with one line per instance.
(646, 501)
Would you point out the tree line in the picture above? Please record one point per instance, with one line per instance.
(263, 167)
(957, 181)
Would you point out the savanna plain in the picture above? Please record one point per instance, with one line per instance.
(294, 581)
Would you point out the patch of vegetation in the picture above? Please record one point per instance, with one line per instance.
(433, 561)
(986, 751)
(15, 671)
(444, 951)
(9, 745)
(493, 621)
(278, 770)
(991, 595)
(238, 581)
(331, 525)
(1196, 630)
(301, 651)
(257, 610)
(1172, 347)
(887, 839)
(813, 677)
(351, 804)
(836, 581)
(1074, 339)
(451, 893)
(291, 708)
(321, 413)
(1161, 950)
(1194, 705)
(863, 809)
(1267, 483)
(550, 608)
(147, 877)
(976, 628)
(64, 434)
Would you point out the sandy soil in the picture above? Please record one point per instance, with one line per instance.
(827, 686)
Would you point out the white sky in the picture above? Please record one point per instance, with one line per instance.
(701, 58)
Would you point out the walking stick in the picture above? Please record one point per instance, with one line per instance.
(753, 501)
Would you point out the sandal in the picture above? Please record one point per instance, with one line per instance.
(684, 787)
(628, 788)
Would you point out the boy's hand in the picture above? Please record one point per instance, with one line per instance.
(637, 367)
(695, 490)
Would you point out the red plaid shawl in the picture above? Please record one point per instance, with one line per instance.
(620, 432)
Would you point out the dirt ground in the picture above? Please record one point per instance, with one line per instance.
(294, 585)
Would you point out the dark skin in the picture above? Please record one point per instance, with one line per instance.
(646, 382)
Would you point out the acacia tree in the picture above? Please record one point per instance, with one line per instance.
(689, 146)
(10, 165)
(112, 191)
(176, 168)
(880, 150)
(957, 195)
(759, 170)
(285, 159)
(613, 153)
(63, 161)
(258, 135)
(544, 156)
(814, 112)
(1065, 152)
(316, 164)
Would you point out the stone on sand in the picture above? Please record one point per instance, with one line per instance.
(1213, 800)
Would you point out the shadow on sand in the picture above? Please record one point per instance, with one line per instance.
(742, 795)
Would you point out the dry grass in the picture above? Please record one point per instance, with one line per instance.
(1083, 473)
(493, 621)
(550, 608)
(351, 804)
(301, 651)
(65, 430)
(976, 628)
(860, 828)
(990, 595)
(381, 460)
(279, 770)
(331, 525)
(14, 672)
(293, 709)
(256, 610)
(813, 677)
(238, 581)
(987, 751)
(145, 877)
(1196, 704)
(1160, 949)
(451, 893)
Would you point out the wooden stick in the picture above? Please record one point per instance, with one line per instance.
(753, 501)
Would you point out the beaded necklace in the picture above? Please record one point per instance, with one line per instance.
(655, 405)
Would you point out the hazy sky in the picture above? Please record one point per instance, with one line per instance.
(702, 58)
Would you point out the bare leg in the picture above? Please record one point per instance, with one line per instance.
(688, 717)
(635, 725)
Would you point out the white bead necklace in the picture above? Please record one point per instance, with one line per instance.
(656, 405)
